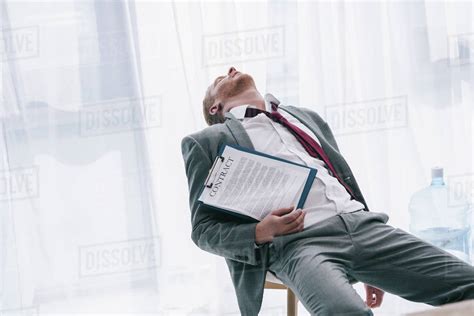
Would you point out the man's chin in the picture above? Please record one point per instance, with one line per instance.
(243, 77)
(242, 83)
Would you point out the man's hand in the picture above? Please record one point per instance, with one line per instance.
(373, 296)
(279, 222)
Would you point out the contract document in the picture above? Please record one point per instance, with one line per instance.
(250, 183)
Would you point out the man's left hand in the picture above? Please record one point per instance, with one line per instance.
(373, 296)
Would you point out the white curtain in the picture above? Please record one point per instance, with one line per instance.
(77, 202)
(96, 96)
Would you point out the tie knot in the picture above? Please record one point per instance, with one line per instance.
(251, 112)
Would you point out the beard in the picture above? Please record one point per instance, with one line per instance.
(242, 83)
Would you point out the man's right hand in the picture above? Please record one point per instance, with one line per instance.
(279, 222)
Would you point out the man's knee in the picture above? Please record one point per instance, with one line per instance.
(456, 294)
(462, 293)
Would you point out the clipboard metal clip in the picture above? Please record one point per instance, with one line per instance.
(218, 161)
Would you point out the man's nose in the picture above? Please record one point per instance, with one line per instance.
(231, 70)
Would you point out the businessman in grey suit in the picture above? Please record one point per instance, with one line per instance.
(320, 262)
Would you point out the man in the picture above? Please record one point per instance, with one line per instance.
(320, 262)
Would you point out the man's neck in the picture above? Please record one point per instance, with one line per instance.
(251, 97)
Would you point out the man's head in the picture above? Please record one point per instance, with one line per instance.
(227, 92)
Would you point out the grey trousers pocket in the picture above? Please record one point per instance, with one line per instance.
(380, 216)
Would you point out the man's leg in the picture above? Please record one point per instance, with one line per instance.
(313, 264)
(400, 263)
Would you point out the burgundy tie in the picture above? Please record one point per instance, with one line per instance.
(309, 144)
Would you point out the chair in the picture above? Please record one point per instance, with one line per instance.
(272, 282)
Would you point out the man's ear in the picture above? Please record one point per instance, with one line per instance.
(215, 108)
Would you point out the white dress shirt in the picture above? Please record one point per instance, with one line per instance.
(327, 197)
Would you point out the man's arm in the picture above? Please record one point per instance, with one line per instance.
(212, 231)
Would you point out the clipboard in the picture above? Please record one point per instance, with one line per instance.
(220, 159)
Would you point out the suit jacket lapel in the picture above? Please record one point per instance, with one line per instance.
(238, 131)
(242, 138)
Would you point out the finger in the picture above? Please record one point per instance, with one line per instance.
(294, 230)
(376, 302)
(372, 304)
(368, 296)
(297, 225)
(301, 225)
(378, 298)
(283, 211)
(298, 218)
(290, 217)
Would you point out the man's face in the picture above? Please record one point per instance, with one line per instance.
(226, 88)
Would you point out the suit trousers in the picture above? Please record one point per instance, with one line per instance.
(319, 262)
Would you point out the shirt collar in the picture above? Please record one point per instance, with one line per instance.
(239, 111)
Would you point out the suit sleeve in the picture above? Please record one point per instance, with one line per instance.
(212, 231)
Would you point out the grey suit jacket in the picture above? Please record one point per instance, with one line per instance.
(232, 237)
